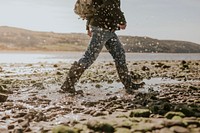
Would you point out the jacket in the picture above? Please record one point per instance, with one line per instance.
(107, 16)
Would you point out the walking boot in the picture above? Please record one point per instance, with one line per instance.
(75, 73)
(130, 87)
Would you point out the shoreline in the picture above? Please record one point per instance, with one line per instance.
(34, 103)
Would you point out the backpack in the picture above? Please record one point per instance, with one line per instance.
(84, 8)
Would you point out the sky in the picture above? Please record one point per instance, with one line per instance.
(160, 19)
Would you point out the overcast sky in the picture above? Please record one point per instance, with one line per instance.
(161, 19)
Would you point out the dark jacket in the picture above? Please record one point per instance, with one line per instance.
(107, 16)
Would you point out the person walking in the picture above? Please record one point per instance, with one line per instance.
(101, 27)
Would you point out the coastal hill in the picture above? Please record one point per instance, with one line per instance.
(17, 39)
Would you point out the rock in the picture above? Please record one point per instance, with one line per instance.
(11, 127)
(194, 88)
(169, 123)
(8, 104)
(146, 126)
(100, 113)
(177, 118)
(40, 117)
(59, 73)
(166, 130)
(98, 86)
(3, 130)
(64, 129)
(186, 110)
(25, 124)
(171, 114)
(178, 129)
(18, 130)
(4, 91)
(20, 114)
(3, 97)
(100, 127)
(122, 130)
(140, 113)
(145, 68)
(192, 122)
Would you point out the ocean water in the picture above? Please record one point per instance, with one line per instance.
(68, 57)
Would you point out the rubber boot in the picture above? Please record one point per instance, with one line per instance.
(74, 75)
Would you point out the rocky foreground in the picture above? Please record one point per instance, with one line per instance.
(30, 99)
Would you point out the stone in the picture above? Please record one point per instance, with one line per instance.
(3, 97)
(192, 122)
(140, 113)
(64, 129)
(169, 123)
(165, 130)
(100, 126)
(122, 130)
(177, 118)
(178, 129)
(171, 114)
(3, 130)
(18, 130)
(11, 127)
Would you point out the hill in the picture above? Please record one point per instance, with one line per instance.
(20, 39)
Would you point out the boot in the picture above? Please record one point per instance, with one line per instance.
(130, 87)
(75, 73)
(127, 80)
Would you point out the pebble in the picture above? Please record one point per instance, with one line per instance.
(3, 97)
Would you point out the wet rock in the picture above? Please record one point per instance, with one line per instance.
(100, 127)
(165, 130)
(144, 127)
(5, 117)
(59, 73)
(3, 97)
(18, 130)
(171, 114)
(25, 124)
(8, 104)
(194, 88)
(159, 64)
(100, 113)
(64, 129)
(177, 118)
(169, 123)
(20, 114)
(98, 85)
(166, 66)
(39, 86)
(140, 113)
(178, 129)
(27, 129)
(186, 110)
(3, 130)
(145, 68)
(40, 117)
(192, 122)
(4, 90)
(122, 130)
(11, 127)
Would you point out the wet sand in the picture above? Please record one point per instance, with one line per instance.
(169, 101)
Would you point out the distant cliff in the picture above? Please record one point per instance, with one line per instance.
(21, 39)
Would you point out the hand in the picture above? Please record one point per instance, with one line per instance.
(122, 26)
(89, 33)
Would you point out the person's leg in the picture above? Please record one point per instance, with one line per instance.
(117, 51)
(95, 46)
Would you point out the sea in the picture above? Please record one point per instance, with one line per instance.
(68, 57)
